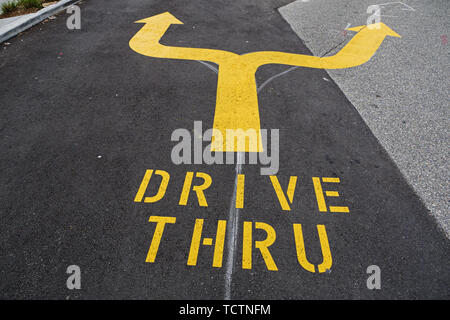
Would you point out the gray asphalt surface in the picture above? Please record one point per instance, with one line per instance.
(83, 116)
(402, 93)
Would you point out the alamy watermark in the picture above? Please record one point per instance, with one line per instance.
(73, 22)
(74, 280)
(375, 18)
(233, 139)
(374, 280)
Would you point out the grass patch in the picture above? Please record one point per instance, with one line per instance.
(15, 8)
(8, 7)
(27, 4)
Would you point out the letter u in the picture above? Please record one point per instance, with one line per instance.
(301, 253)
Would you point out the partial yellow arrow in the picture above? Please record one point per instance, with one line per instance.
(357, 51)
(146, 42)
(237, 101)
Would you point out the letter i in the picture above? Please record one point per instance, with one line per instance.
(240, 191)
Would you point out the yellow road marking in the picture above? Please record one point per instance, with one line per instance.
(198, 189)
(195, 242)
(279, 191)
(160, 224)
(320, 197)
(261, 245)
(301, 252)
(240, 191)
(144, 184)
(331, 180)
(319, 194)
(207, 241)
(339, 209)
(237, 100)
(218, 245)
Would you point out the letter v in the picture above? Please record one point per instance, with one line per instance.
(280, 193)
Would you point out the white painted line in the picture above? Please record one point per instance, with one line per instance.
(209, 66)
(274, 77)
(233, 221)
(397, 2)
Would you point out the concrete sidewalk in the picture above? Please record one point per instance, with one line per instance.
(402, 93)
(5, 21)
(13, 26)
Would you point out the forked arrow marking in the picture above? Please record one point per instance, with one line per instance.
(237, 99)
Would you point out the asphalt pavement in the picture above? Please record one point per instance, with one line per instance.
(83, 117)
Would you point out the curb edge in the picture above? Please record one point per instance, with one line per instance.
(27, 22)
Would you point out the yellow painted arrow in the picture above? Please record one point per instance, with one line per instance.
(237, 100)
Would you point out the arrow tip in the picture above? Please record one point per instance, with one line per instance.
(162, 18)
(379, 27)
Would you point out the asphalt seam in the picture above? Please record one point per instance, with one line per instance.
(233, 218)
